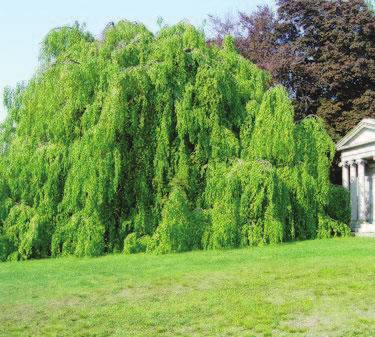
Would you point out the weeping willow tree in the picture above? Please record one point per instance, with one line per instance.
(163, 143)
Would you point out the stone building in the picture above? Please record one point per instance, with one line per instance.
(358, 174)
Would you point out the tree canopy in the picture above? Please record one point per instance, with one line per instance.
(159, 142)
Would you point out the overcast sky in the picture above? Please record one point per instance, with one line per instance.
(24, 23)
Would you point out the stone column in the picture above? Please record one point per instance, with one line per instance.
(345, 174)
(353, 189)
(362, 214)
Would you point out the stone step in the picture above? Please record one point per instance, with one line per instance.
(364, 229)
(367, 227)
(366, 235)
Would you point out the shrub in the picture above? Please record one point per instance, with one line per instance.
(329, 227)
(26, 233)
(338, 206)
(6, 248)
(180, 228)
(134, 245)
(81, 235)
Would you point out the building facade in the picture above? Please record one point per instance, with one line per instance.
(358, 174)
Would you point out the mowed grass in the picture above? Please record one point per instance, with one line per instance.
(312, 288)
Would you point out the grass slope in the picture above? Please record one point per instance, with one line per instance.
(312, 288)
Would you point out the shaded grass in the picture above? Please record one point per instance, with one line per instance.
(311, 288)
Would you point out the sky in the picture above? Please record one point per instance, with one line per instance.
(24, 23)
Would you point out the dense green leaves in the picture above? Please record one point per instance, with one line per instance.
(159, 142)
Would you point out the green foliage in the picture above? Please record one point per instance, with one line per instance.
(273, 136)
(159, 142)
(63, 41)
(81, 235)
(6, 248)
(180, 229)
(133, 245)
(329, 227)
(248, 207)
(338, 206)
(27, 231)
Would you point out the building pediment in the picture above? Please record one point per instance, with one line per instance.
(362, 134)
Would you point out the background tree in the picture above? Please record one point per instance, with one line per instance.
(257, 40)
(253, 32)
(322, 51)
(332, 49)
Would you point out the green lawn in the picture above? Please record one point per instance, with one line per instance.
(312, 288)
